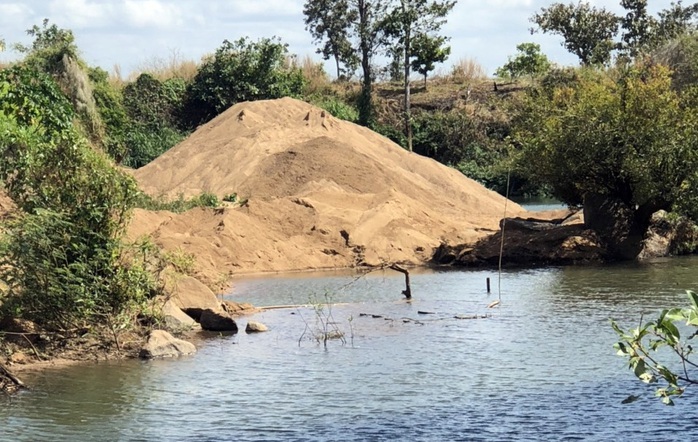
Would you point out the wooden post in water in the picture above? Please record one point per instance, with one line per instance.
(408, 291)
(488, 285)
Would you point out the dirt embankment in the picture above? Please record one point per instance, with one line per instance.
(321, 193)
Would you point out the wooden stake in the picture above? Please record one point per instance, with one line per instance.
(408, 291)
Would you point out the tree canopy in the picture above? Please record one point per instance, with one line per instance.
(529, 60)
(594, 34)
(624, 145)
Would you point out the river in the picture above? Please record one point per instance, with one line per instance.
(539, 367)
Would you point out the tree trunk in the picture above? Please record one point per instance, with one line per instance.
(621, 226)
(425, 82)
(408, 115)
(365, 100)
(336, 61)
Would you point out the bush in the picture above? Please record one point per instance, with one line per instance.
(63, 259)
(240, 71)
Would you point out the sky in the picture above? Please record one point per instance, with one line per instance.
(133, 33)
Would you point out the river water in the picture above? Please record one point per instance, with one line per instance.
(539, 367)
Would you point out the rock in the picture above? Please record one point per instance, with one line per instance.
(237, 308)
(668, 236)
(255, 327)
(162, 345)
(217, 320)
(190, 294)
(175, 318)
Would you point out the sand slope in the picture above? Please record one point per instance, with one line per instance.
(322, 192)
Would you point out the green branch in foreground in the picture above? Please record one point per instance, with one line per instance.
(643, 345)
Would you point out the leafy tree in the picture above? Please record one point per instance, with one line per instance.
(408, 20)
(427, 51)
(327, 21)
(528, 61)
(676, 20)
(624, 146)
(588, 32)
(240, 71)
(370, 33)
(50, 45)
(649, 346)
(364, 26)
(637, 25)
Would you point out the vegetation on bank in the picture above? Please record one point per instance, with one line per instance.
(617, 134)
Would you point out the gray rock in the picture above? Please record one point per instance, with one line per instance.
(217, 321)
(255, 327)
(161, 344)
(175, 318)
(190, 294)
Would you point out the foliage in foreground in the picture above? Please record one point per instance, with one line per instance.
(62, 259)
(648, 346)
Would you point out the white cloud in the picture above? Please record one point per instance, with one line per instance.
(152, 13)
(80, 13)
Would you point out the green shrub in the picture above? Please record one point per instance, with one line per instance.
(240, 71)
(336, 107)
(179, 204)
(63, 259)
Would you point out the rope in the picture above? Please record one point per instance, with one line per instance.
(501, 245)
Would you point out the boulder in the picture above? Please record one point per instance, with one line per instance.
(161, 344)
(217, 320)
(255, 327)
(190, 294)
(668, 236)
(237, 308)
(175, 318)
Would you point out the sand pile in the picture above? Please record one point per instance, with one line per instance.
(322, 193)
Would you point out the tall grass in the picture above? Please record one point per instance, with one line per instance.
(165, 68)
(467, 70)
(316, 79)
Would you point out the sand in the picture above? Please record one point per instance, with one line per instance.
(322, 193)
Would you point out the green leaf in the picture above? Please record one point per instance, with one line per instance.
(693, 296)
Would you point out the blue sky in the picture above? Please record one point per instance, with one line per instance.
(129, 33)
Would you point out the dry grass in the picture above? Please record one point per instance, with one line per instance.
(165, 68)
(467, 70)
(316, 79)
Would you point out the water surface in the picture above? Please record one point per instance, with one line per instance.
(540, 367)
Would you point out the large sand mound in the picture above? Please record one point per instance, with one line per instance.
(323, 193)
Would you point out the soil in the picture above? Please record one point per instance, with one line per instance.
(319, 193)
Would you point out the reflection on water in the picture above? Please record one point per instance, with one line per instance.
(541, 367)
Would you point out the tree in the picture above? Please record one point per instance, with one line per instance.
(638, 27)
(588, 32)
(528, 61)
(51, 44)
(675, 21)
(408, 20)
(370, 30)
(645, 348)
(623, 145)
(427, 51)
(240, 71)
(327, 21)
